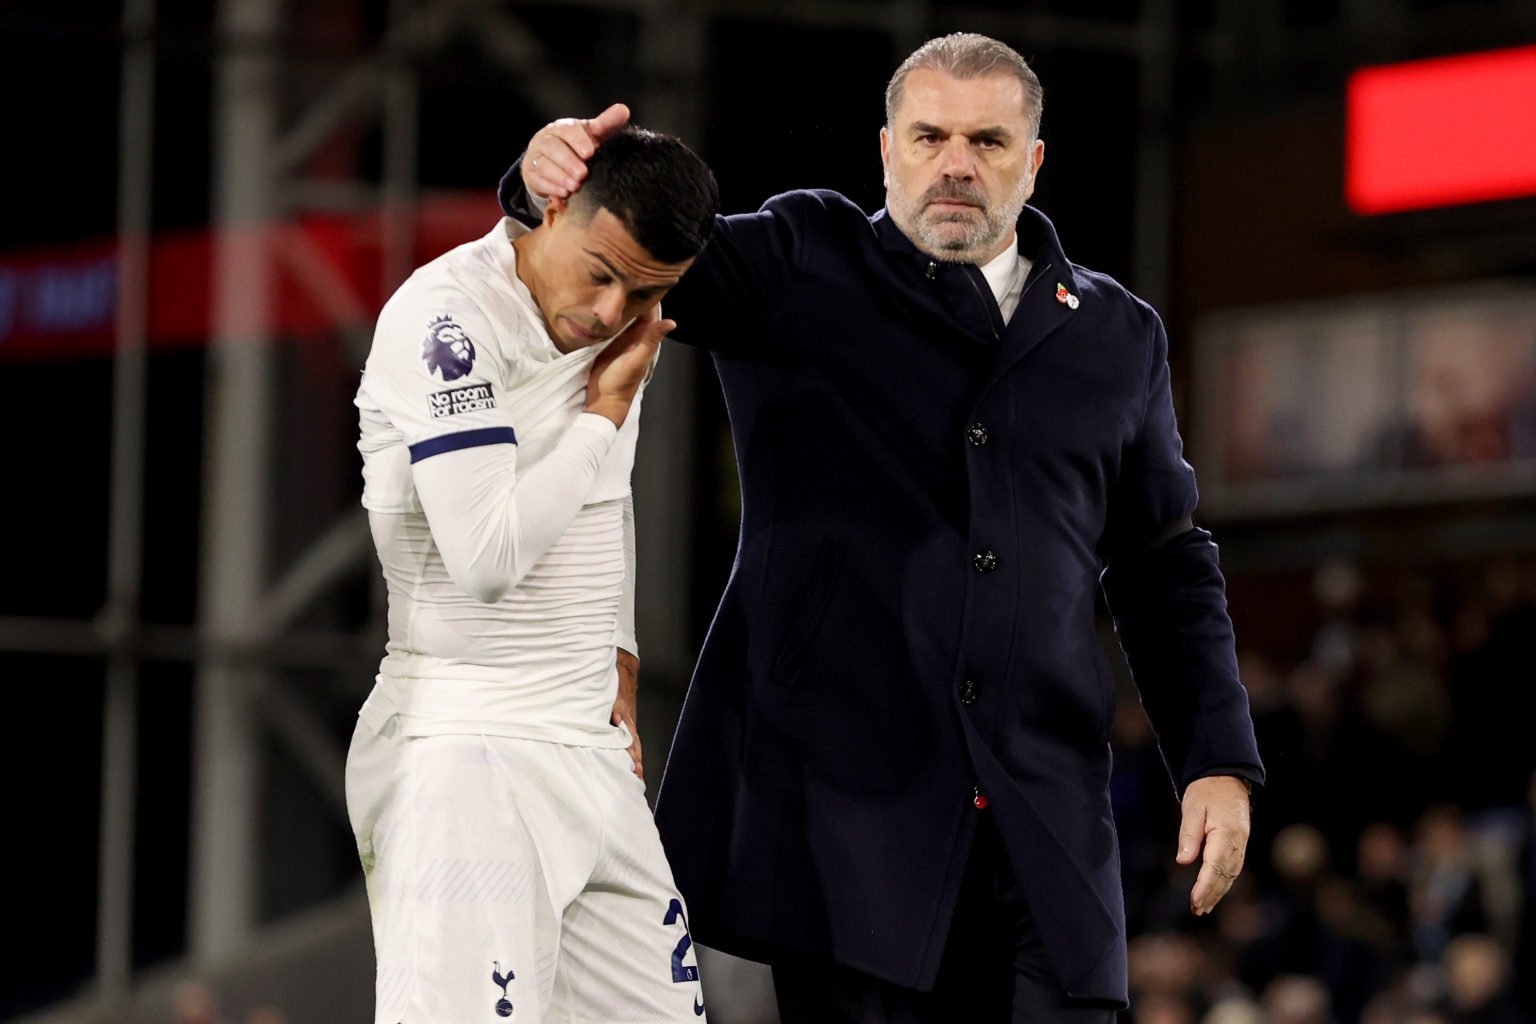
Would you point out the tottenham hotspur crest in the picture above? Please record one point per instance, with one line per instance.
(448, 349)
(503, 1005)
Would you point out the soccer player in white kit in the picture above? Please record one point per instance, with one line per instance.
(512, 866)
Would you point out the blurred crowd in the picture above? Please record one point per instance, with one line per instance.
(1391, 876)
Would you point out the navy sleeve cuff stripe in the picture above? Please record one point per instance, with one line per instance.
(463, 439)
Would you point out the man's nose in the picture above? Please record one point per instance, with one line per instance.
(609, 307)
(957, 160)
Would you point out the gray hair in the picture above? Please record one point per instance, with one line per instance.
(968, 55)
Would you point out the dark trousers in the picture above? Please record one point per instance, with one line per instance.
(994, 969)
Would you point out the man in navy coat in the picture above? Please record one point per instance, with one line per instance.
(890, 775)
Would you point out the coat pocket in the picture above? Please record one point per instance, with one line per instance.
(800, 638)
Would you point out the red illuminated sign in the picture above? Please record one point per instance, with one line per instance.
(1442, 132)
(62, 303)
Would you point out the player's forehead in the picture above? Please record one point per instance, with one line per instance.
(606, 239)
(962, 105)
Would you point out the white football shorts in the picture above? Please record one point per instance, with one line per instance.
(515, 881)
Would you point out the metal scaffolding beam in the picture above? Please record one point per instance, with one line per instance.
(114, 921)
(237, 487)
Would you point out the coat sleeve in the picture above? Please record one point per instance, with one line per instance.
(1166, 592)
(726, 301)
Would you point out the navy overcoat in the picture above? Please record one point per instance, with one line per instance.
(931, 500)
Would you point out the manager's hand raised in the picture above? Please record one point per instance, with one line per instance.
(556, 161)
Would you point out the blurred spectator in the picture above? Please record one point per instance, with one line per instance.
(1477, 983)
(1404, 697)
(1445, 899)
(1337, 586)
(1164, 964)
(192, 1003)
(1397, 1008)
(1360, 946)
(1301, 859)
(1235, 1011)
(1525, 944)
(1316, 748)
(1296, 1000)
(1163, 1009)
(1249, 929)
(1403, 702)
(1382, 865)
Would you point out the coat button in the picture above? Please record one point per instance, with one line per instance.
(968, 691)
(985, 561)
(976, 433)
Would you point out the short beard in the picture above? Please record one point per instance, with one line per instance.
(976, 242)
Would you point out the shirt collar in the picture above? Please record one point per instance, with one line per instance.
(1000, 269)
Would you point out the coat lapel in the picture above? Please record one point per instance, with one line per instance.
(956, 296)
(1049, 298)
(959, 296)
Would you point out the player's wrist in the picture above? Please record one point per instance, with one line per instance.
(614, 410)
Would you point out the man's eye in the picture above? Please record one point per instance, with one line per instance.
(601, 279)
(929, 139)
(989, 144)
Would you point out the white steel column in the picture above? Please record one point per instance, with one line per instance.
(119, 621)
(236, 478)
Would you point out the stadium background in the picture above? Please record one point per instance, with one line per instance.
(206, 202)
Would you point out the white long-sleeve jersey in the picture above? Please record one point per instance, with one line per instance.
(499, 508)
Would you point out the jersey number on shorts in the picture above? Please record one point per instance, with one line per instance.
(680, 971)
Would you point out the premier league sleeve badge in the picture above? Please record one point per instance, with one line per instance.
(448, 350)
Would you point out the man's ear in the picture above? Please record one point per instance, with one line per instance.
(555, 210)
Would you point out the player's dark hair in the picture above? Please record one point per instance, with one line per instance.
(663, 193)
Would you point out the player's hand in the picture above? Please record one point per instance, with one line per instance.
(620, 368)
(556, 160)
(626, 708)
(1216, 819)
